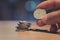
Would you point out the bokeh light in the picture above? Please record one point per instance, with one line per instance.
(18, 9)
(30, 5)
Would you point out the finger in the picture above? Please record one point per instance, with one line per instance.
(40, 23)
(53, 28)
(49, 4)
(48, 0)
(50, 18)
(59, 25)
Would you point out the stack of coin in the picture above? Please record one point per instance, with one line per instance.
(23, 25)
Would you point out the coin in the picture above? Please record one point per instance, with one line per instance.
(39, 13)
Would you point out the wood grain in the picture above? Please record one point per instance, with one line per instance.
(7, 32)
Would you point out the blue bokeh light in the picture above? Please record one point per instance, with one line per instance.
(30, 5)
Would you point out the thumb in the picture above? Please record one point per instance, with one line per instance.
(51, 4)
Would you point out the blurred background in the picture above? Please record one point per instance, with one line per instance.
(18, 9)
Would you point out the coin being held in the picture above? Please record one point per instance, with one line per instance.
(39, 13)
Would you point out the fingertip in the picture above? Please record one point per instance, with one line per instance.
(40, 23)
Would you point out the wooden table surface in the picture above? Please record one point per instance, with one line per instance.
(7, 32)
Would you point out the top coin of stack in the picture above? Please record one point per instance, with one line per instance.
(39, 13)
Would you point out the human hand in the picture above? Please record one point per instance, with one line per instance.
(51, 18)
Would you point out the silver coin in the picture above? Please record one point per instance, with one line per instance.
(39, 13)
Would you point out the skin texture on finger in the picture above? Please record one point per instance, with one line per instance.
(49, 4)
(50, 18)
(58, 25)
(40, 23)
(53, 17)
(48, 0)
